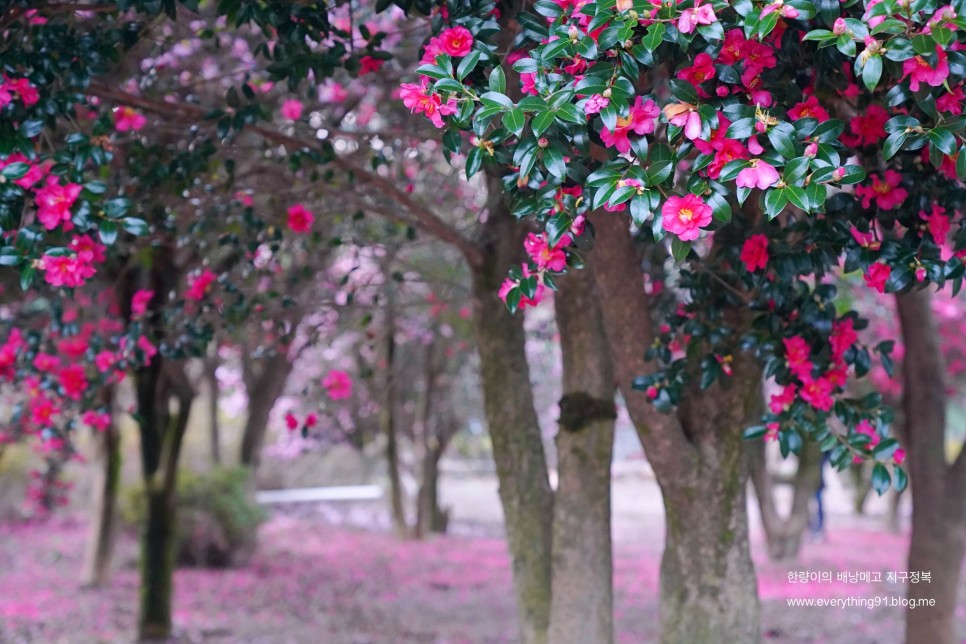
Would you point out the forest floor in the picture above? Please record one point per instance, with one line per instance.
(314, 581)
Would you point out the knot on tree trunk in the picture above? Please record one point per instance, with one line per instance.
(579, 409)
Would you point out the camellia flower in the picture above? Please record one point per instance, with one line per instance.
(919, 70)
(754, 252)
(798, 355)
(68, 271)
(338, 385)
(808, 109)
(759, 175)
(198, 285)
(937, 223)
(418, 99)
(684, 115)
(291, 421)
(456, 41)
(877, 275)
(99, 420)
(685, 216)
(128, 119)
(54, 202)
(300, 220)
(595, 104)
(952, 102)
(639, 120)
(73, 380)
(368, 64)
(783, 401)
(545, 257)
(842, 338)
(291, 109)
(140, 301)
(817, 393)
(697, 15)
(867, 128)
(886, 193)
(104, 361)
(702, 70)
(509, 284)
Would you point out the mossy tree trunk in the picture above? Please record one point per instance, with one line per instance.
(582, 608)
(512, 420)
(708, 583)
(938, 542)
(100, 542)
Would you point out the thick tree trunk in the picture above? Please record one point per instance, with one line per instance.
(264, 382)
(784, 533)
(938, 542)
(582, 573)
(100, 541)
(162, 434)
(708, 584)
(512, 421)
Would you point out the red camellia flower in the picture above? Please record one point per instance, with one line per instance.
(702, 70)
(685, 216)
(545, 257)
(886, 192)
(291, 421)
(368, 64)
(300, 220)
(919, 70)
(418, 98)
(54, 202)
(456, 41)
(74, 381)
(877, 275)
(818, 393)
(798, 355)
(198, 285)
(338, 384)
(754, 252)
(639, 120)
(808, 109)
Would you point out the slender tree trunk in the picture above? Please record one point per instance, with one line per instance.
(162, 434)
(429, 517)
(100, 542)
(521, 466)
(708, 583)
(264, 383)
(582, 592)
(784, 533)
(214, 390)
(389, 421)
(938, 542)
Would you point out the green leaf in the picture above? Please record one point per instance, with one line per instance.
(775, 202)
(474, 160)
(497, 80)
(961, 164)
(901, 479)
(553, 159)
(756, 431)
(137, 227)
(893, 144)
(720, 207)
(943, 140)
(658, 171)
(524, 66)
(117, 207)
(797, 197)
(541, 122)
(872, 72)
(880, 479)
(468, 64)
(27, 277)
(654, 36)
(571, 113)
(782, 137)
(679, 248)
(15, 171)
(496, 98)
(107, 231)
(514, 120)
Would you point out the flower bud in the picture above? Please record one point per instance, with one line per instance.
(760, 127)
(542, 142)
(573, 32)
(839, 27)
(838, 174)
(811, 150)
(607, 93)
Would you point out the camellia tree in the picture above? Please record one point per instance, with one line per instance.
(767, 145)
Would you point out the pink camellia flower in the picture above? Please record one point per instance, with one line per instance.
(291, 109)
(640, 120)
(73, 380)
(418, 99)
(697, 15)
(919, 70)
(899, 456)
(73, 347)
(877, 275)
(808, 109)
(300, 219)
(45, 362)
(128, 119)
(311, 420)
(595, 104)
(886, 193)
(685, 216)
(368, 64)
(146, 347)
(702, 70)
(842, 338)
(291, 421)
(783, 402)
(759, 175)
(27, 92)
(817, 393)
(66, 270)
(98, 420)
(198, 285)
(684, 115)
(456, 41)
(937, 223)
(105, 361)
(754, 252)
(54, 202)
(338, 385)
(545, 257)
(798, 355)
(140, 301)
(509, 284)
(952, 102)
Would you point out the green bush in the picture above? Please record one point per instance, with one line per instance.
(217, 518)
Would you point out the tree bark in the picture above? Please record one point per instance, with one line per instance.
(100, 542)
(512, 420)
(264, 383)
(708, 583)
(389, 421)
(938, 542)
(433, 438)
(214, 425)
(162, 434)
(784, 533)
(582, 574)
